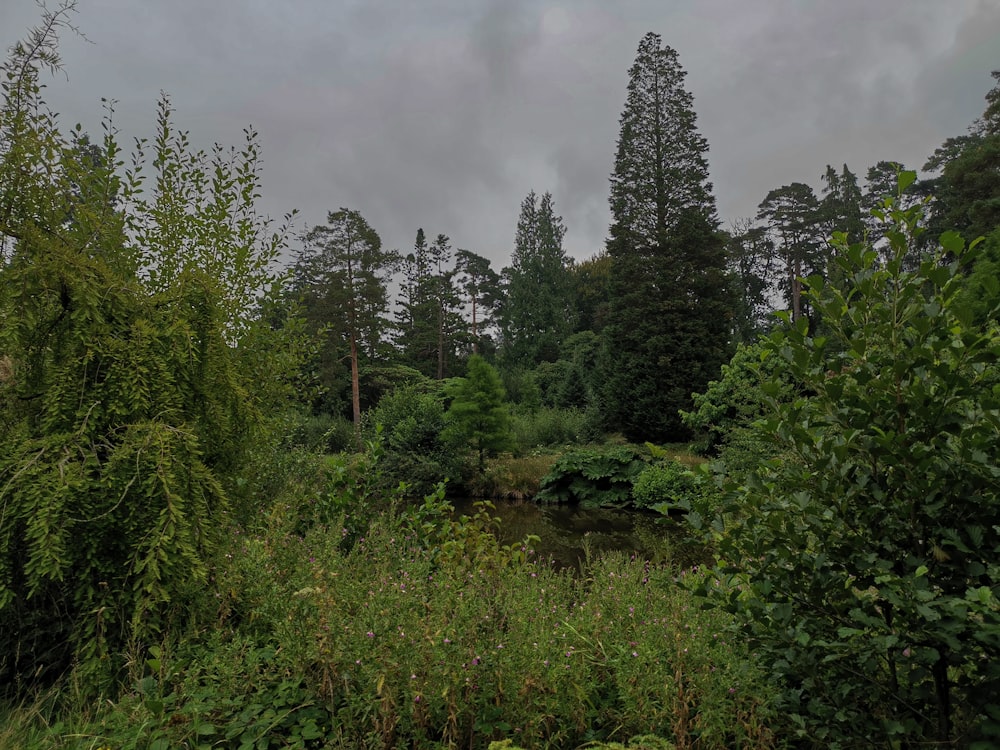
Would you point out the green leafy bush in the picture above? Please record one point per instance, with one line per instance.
(428, 632)
(547, 427)
(868, 556)
(723, 415)
(667, 485)
(593, 478)
(137, 372)
(418, 449)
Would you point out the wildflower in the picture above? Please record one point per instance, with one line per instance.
(370, 634)
(634, 654)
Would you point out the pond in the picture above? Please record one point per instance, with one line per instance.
(566, 532)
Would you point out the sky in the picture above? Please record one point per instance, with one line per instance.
(444, 114)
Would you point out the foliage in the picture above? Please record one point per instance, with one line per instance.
(429, 633)
(483, 286)
(419, 450)
(668, 485)
(319, 432)
(478, 413)
(966, 190)
(869, 572)
(429, 326)
(593, 478)
(341, 277)
(511, 477)
(548, 427)
(669, 317)
(135, 376)
(724, 414)
(980, 294)
(538, 313)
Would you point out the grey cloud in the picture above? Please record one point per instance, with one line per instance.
(445, 113)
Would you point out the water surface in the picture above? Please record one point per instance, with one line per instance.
(567, 531)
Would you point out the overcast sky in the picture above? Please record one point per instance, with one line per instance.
(443, 114)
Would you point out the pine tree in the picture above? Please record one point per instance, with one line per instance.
(482, 285)
(667, 331)
(794, 220)
(538, 314)
(343, 274)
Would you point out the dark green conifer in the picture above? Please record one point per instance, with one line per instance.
(667, 331)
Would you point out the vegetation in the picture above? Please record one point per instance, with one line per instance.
(592, 478)
(131, 392)
(669, 313)
(477, 412)
(427, 632)
(538, 312)
(868, 576)
(222, 497)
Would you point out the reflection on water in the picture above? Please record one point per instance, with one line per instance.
(565, 529)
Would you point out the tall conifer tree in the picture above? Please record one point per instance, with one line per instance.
(670, 311)
(538, 315)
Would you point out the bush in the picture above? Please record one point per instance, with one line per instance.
(666, 486)
(321, 432)
(416, 447)
(593, 478)
(867, 557)
(429, 633)
(547, 427)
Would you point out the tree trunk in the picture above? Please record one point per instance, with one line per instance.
(355, 388)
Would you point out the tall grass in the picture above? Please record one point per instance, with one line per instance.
(423, 631)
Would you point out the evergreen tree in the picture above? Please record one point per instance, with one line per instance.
(590, 280)
(445, 302)
(751, 261)
(482, 286)
(967, 189)
(667, 331)
(428, 321)
(342, 274)
(841, 204)
(538, 314)
(794, 220)
(478, 411)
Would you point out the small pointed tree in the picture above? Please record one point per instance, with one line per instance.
(478, 411)
(538, 315)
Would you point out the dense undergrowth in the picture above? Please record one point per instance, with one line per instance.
(409, 628)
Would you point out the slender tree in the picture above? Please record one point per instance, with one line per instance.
(667, 331)
(751, 263)
(538, 314)
(793, 218)
(344, 273)
(481, 284)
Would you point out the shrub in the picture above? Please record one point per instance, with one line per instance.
(593, 478)
(868, 557)
(667, 485)
(547, 427)
(417, 449)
